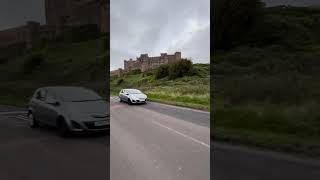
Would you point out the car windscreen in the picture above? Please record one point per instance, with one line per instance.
(133, 91)
(77, 95)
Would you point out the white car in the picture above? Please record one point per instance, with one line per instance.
(132, 96)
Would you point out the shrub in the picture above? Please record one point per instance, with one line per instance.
(162, 71)
(120, 81)
(135, 71)
(32, 62)
(3, 60)
(79, 34)
(180, 69)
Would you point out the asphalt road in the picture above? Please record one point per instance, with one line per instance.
(156, 141)
(38, 154)
(241, 163)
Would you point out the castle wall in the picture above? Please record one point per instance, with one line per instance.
(59, 13)
(145, 63)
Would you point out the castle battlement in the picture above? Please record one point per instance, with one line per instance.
(145, 63)
(59, 14)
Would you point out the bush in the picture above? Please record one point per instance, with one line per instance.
(120, 81)
(79, 34)
(3, 60)
(135, 71)
(32, 62)
(180, 69)
(162, 71)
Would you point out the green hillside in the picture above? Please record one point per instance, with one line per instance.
(266, 82)
(189, 90)
(77, 57)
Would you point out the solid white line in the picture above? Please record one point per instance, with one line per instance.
(180, 107)
(21, 117)
(13, 112)
(186, 136)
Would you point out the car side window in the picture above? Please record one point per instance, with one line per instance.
(51, 95)
(40, 95)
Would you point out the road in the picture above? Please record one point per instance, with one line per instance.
(241, 163)
(37, 154)
(156, 141)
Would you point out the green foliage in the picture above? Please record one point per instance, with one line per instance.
(176, 70)
(32, 62)
(180, 69)
(3, 60)
(233, 20)
(80, 34)
(162, 71)
(135, 71)
(189, 91)
(120, 81)
(266, 83)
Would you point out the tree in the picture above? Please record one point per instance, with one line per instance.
(233, 20)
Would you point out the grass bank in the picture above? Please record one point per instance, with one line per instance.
(65, 60)
(266, 93)
(189, 91)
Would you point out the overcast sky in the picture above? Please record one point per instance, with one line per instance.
(16, 12)
(154, 27)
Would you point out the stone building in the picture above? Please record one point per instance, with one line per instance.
(23, 36)
(145, 63)
(119, 72)
(59, 14)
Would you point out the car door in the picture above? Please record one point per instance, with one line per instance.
(37, 104)
(50, 110)
(122, 95)
(125, 95)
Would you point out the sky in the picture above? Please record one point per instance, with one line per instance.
(17, 12)
(154, 27)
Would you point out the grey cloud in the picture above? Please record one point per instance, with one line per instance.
(153, 26)
(16, 12)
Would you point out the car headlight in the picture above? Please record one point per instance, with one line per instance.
(76, 125)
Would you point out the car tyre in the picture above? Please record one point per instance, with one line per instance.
(63, 129)
(120, 99)
(129, 102)
(33, 123)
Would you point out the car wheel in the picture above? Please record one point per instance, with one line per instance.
(120, 99)
(129, 101)
(33, 123)
(63, 128)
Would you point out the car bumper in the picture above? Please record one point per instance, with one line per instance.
(138, 101)
(90, 127)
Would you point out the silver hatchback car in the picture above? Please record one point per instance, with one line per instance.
(132, 96)
(70, 109)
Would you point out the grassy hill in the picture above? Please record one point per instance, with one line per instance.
(266, 87)
(77, 57)
(189, 91)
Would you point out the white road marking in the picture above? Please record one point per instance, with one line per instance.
(186, 136)
(22, 117)
(183, 108)
(13, 112)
